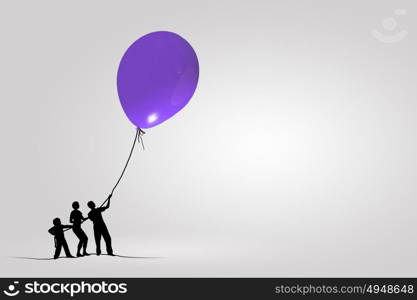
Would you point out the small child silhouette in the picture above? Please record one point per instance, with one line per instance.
(58, 232)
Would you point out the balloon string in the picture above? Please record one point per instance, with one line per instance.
(138, 138)
(137, 135)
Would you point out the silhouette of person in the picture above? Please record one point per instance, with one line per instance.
(58, 232)
(100, 228)
(76, 218)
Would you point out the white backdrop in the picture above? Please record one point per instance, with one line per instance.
(295, 157)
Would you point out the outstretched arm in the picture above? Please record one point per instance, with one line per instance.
(82, 217)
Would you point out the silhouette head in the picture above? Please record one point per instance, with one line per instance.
(56, 221)
(75, 205)
(91, 204)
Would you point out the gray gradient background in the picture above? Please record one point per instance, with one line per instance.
(296, 156)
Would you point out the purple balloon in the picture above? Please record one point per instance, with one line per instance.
(157, 77)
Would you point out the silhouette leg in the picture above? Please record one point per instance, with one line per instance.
(85, 241)
(97, 237)
(80, 244)
(66, 249)
(81, 236)
(57, 250)
(107, 239)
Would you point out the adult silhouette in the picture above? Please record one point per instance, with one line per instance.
(100, 228)
(58, 232)
(76, 218)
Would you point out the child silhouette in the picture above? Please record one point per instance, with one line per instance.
(76, 218)
(58, 232)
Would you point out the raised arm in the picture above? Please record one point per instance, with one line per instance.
(107, 201)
